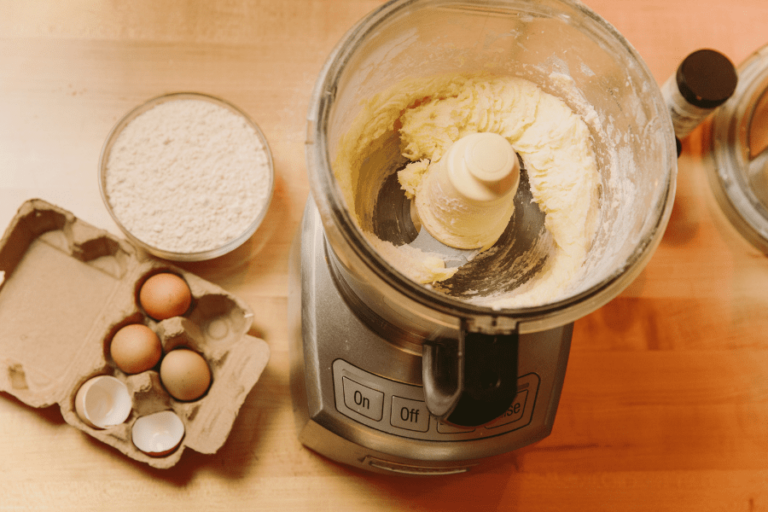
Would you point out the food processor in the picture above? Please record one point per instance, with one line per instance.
(389, 375)
(738, 152)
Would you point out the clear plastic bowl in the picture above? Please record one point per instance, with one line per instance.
(160, 252)
(549, 42)
(739, 152)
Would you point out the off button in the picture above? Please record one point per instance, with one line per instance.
(409, 414)
(363, 400)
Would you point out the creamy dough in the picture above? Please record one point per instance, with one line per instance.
(429, 115)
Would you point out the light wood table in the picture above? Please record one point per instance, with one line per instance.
(665, 404)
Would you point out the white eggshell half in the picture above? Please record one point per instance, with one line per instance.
(158, 434)
(103, 402)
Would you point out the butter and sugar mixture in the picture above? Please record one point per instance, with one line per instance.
(429, 115)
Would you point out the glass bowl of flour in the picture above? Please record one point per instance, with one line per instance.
(186, 176)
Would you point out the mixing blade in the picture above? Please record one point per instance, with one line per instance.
(516, 257)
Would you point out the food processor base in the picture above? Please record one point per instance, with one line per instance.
(357, 393)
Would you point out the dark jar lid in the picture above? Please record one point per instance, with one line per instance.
(706, 78)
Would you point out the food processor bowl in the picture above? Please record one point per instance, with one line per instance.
(568, 51)
(739, 152)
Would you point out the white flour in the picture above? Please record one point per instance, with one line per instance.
(188, 176)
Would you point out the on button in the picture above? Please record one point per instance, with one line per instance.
(363, 400)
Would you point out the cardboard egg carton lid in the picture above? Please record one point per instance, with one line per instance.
(67, 287)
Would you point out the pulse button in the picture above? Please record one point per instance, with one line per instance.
(409, 414)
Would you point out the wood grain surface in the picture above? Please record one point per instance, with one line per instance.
(665, 403)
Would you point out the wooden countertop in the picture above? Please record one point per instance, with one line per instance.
(665, 404)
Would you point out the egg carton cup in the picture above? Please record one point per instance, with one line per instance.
(67, 287)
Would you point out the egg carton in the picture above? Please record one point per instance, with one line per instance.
(67, 287)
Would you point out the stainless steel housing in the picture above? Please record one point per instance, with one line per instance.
(329, 344)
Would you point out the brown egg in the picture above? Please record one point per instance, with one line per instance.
(135, 348)
(164, 296)
(185, 374)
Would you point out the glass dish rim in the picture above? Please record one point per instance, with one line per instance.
(117, 129)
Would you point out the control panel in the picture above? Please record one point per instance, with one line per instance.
(400, 409)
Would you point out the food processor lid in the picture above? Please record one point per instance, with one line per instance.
(739, 149)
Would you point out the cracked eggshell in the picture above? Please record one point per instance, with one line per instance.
(103, 401)
(158, 434)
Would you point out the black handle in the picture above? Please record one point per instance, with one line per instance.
(472, 380)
